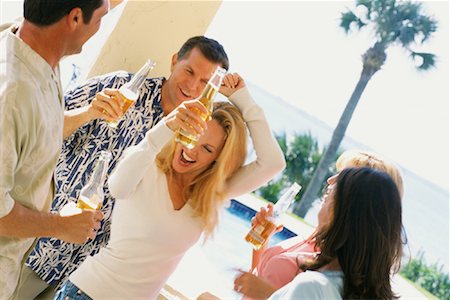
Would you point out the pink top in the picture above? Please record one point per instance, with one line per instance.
(278, 265)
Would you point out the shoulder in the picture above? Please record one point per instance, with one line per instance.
(314, 285)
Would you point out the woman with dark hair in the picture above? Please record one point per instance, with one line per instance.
(360, 240)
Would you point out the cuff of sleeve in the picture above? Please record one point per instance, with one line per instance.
(241, 98)
(159, 135)
(248, 107)
(6, 205)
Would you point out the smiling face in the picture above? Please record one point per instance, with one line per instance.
(194, 161)
(188, 78)
(325, 213)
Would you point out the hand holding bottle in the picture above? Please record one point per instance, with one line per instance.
(129, 92)
(206, 98)
(260, 233)
(262, 216)
(185, 117)
(106, 105)
(79, 227)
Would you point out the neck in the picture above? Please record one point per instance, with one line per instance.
(45, 41)
(332, 266)
(164, 105)
(181, 180)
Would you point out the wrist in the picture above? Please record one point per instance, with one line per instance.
(57, 225)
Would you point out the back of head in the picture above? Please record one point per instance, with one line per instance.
(365, 233)
(47, 12)
(362, 158)
(210, 48)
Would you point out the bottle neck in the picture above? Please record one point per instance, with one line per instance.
(99, 175)
(138, 79)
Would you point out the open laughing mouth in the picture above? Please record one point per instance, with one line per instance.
(186, 94)
(186, 159)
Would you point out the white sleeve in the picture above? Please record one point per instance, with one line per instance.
(269, 157)
(135, 161)
(311, 285)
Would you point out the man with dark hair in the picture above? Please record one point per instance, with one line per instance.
(87, 133)
(47, 12)
(31, 127)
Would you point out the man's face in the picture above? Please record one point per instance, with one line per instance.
(84, 31)
(188, 78)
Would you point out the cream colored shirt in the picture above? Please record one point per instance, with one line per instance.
(31, 124)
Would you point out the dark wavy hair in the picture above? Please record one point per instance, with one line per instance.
(210, 48)
(47, 12)
(365, 233)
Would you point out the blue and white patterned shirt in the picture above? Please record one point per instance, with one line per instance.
(52, 259)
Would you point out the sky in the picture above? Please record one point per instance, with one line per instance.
(297, 51)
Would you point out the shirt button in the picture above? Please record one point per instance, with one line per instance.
(67, 298)
(79, 292)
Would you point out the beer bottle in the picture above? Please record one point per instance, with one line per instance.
(130, 90)
(206, 98)
(259, 233)
(91, 195)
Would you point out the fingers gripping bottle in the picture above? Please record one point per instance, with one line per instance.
(206, 98)
(259, 233)
(91, 195)
(130, 90)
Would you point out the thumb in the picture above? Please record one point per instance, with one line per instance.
(279, 228)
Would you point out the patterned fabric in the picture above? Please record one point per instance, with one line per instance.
(52, 259)
(72, 292)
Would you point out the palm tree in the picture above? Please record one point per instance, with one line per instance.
(393, 24)
(302, 154)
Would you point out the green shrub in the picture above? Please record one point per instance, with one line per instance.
(430, 277)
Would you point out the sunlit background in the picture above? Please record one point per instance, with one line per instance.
(297, 60)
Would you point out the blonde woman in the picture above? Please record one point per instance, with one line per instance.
(168, 195)
(274, 267)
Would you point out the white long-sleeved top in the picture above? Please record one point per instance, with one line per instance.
(149, 237)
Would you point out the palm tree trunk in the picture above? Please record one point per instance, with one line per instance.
(302, 207)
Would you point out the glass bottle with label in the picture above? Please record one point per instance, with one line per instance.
(206, 98)
(130, 90)
(259, 233)
(91, 195)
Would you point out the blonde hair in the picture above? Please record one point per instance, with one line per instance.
(207, 192)
(361, 158)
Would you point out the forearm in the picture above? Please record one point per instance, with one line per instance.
(269, 160)
(256, 255)
(135, 161)
(23, 222)
(74, 119)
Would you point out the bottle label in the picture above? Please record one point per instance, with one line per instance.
(259, 229)
(256, 236)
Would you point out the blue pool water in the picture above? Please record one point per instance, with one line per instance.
(212, 266)
(228, 249)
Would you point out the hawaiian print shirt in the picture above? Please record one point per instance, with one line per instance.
(52, 259)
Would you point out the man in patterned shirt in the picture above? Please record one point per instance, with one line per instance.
(89, 105)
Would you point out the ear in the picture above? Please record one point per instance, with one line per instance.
(74, 18)
(174, 61)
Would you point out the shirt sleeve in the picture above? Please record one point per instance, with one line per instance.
(269, 157)
(280, 270)
(9, 146)
(303, 286)
(135, 161)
